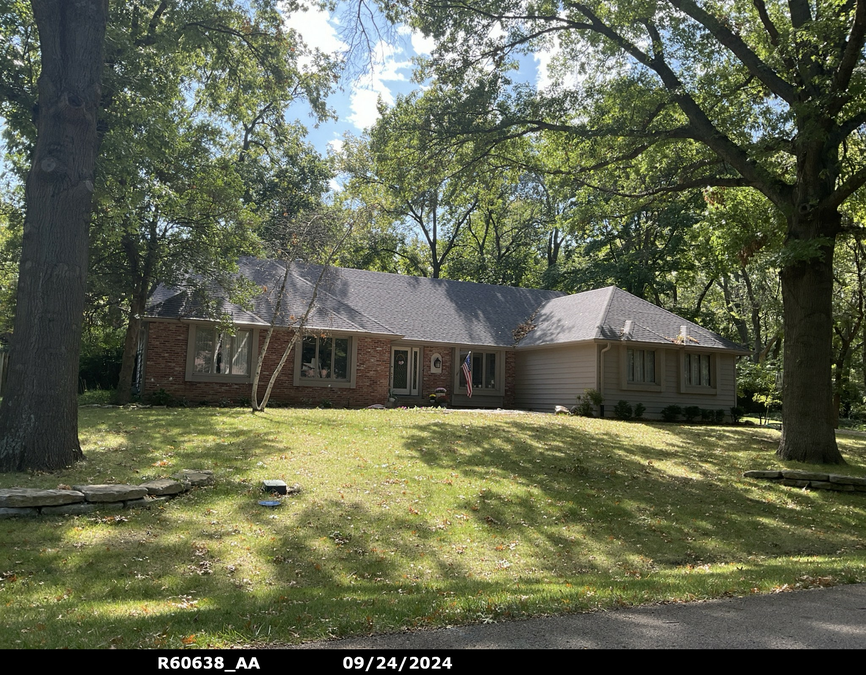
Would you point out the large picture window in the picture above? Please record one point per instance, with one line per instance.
(325, 358)
(485, 375)
(221, 354)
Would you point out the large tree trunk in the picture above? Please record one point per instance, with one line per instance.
(39, 413)
(807, 388)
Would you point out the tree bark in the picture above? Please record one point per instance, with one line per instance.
(39, 413)
(807, 388)
(123, 393)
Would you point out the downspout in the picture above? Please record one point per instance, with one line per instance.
(599, 376)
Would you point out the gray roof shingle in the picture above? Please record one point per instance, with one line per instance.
(438, 310)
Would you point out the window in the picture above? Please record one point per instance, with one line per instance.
(325, 358)
(216, 354)
(484, 371)
(641, 369)
(698, 370)
(641, 366)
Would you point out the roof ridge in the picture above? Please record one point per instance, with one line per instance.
(387, 329)
(598, 326)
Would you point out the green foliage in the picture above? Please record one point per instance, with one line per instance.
(639, 410)
(737, 413)
(623, 410)
(671, 413)
(588, 402)
(691, 412)
(720, 416)
(757, 382)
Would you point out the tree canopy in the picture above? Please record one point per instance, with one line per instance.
(764, 95)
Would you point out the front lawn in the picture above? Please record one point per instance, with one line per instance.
(410, 518)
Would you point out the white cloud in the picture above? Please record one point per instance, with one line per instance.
(421, 44)
(335, 145)
(372, 86)
(317, 28)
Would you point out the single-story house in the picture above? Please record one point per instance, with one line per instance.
(372, 334)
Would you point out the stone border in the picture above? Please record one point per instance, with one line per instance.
(29, 502)
(811, 479)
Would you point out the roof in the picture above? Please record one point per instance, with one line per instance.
(602, 315)
(435, 310)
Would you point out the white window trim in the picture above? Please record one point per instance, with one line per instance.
(193, 376)
(658, 385)
(299, 381)
(686, 388)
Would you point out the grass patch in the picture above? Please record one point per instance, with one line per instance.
(410, 518)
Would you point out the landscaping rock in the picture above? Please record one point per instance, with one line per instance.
(848, 480)
(17, 513)
(31, 497)
(561, 410)
(195, 477)
(164, 486)
(827, 485)
(772, 475)
(804, 475)
(795, 483)
(144, 503)
(69, 509)
(110, 493)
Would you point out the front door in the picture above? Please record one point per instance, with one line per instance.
(405, 371)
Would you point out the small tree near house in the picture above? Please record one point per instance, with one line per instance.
(310, 235)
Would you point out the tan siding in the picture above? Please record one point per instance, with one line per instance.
(724, 398)
(546, 378)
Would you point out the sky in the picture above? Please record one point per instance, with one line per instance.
(388, 71)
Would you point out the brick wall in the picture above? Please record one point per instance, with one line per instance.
(165, 368)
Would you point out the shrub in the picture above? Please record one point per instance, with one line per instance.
(691, 412)
(671, 413)
(720, 416)
(639, 410)
(162, 397)
(623, 410)
(737, 414)
(707, 415)
(587, 402)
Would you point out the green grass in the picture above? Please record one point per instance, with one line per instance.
(410, 518)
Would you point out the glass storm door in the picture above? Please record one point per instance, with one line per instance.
(404, 371)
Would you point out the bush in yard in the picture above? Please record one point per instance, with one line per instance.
(720, 416)
(671, 413)
(707, 415)
(639, 410)
(691, 412)
(737, 414)
(623, 410)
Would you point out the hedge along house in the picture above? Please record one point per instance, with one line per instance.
(372, 334)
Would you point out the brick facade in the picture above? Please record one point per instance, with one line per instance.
(165, 369)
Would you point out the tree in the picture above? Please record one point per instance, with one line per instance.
(755, 94)
(195, 144)
(39, 413)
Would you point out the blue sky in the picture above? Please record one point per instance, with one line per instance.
(388, 71)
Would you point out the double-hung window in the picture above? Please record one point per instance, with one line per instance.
(698, 370)
(219, 354)
(325, 359)
(641, 366)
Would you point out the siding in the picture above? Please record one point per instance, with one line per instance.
(724, 398)
(545, 378)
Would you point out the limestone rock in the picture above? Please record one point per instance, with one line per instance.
(163, 486)
(195, 477)
(762, 474)
(17, 513)
(69, 509)
(31, 497)
(111, 493)
(804, 475)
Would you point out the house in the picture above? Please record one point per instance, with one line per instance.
(371, 334)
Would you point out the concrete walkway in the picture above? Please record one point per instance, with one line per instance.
(826, 618)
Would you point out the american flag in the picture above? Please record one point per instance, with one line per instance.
(467, 373)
